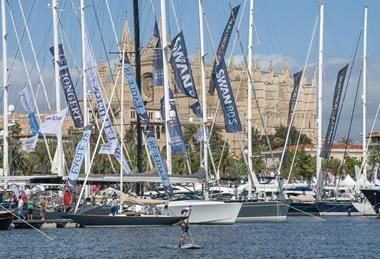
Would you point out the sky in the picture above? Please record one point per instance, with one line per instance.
(283, 32)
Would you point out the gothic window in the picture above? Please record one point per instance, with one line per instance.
(133, 115)
(147, 87)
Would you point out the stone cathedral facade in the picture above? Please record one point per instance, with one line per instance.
(272, 91)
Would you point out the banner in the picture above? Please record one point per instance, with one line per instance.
(108, 148)
(357, 172)
(174, 127)
(196, 108)
(29, 144)
(226, 97)
(15, 190)
(92, 77)
(53, 123)
(158, 162)
(135, 92)
(223, 44)
(335, 107)
(68, 88)
(293, 97)
(158, 65)
(181, 66)
(80, 152)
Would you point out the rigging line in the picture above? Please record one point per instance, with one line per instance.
(298, 93)
(28, 77)
(34, 54)
(97, 126)
(353, 57)
(97, 142)
(364, 162)
(22, 37)
(102, 38)
(65, 38)
(253, 90)
(175, 15)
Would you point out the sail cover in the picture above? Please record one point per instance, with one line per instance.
(68, 88)
(223, 44)
(226, 97)
(335, 107)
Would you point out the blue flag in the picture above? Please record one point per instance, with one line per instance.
(226, 97)
(80, 151)
(34, 123)
(175, 132)
(158, 162)
(196, 108)
(135, 92)
(158, 65)
(181, 66)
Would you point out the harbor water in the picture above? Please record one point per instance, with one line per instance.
(298, 237)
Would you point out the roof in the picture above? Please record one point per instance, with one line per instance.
(334, 146)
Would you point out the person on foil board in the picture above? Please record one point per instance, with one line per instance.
(185, 230)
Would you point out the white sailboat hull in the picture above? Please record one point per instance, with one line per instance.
(364, 208)
(206, 212)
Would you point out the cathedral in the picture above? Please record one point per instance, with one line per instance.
(272, 90)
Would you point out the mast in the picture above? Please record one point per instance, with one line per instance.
(204, 96)
(57, 83)
(84, 82)
(5, 91)
(166, 87)
(319, 120)
(122, 123)
(249, 114)
(136, 20)
(364, 97)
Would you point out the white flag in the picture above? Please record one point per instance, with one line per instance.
(357, 172)
(108, 148)
(25, 100)
(29, 144)
(53, 123)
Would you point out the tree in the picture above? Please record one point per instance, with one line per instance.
(278, 138)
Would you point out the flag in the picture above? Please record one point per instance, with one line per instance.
(177, 142)
(29, 144)
(80, 152)
(53, 123)
(199, 134)
(223, 44)
(68, 88)
(226, 97)
(293, 97)
(158, 65)
(196, 108)
(157, 159)
(92, 76)
(179, 61)
(357, 172)
(108, 148)
(135, 92)
(25, 102)
(335, 107)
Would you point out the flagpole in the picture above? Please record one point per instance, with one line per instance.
(166, 87)
(5, 93)
(57, 83)
(365, 94)
(320, 85)
(249, 104)
(204, 96)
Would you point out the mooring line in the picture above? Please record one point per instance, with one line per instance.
(27, 223)
(304, 212)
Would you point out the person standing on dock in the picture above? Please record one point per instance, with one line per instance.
(20, 208)
(30, 208)
(43, 205)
